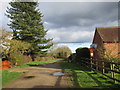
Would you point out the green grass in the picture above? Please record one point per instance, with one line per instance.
(21, 66)
(9, 76)
(41, 62)
(85, 78)
(37, 63)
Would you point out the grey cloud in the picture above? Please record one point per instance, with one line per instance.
(61, 35)
(79, 14)
(76, 22)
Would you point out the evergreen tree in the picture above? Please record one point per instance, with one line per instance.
(27, 25)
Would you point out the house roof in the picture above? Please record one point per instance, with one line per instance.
(109, 34)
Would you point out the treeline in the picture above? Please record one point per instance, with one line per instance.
(60, 52)
(18, 52)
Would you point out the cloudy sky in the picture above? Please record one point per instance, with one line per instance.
(73, 23)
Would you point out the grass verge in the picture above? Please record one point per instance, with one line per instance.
(85, 78)
(37, 63)
(9, 76)
(41, 62)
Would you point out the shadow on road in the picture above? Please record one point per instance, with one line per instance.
(57, 84)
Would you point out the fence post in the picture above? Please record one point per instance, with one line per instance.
(91, 63)
(82, 62)
(103, 65)
(114, 72)
(96, 65)
(112, 68)
(117, 68)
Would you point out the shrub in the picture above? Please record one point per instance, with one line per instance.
(81, 54)
(13, 49)
(16, 58)
(38, 58)
(17, 50)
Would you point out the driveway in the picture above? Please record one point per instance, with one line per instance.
(40, 77)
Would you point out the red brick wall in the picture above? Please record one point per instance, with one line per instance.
(119, 49)
(111, 49)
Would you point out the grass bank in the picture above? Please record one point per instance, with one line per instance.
(85, 78)
(9, 76)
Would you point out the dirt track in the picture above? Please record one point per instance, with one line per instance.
(40, 77)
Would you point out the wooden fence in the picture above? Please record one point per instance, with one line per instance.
(107, 68)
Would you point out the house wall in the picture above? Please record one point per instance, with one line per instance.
(97, 40)
(119, 49)
(111, 49)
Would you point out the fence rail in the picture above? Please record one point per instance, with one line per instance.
(104, 67)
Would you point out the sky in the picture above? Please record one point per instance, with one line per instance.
(73, 23)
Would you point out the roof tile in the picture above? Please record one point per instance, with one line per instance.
(109, 34)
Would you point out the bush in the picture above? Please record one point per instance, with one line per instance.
(13, 49)
(16, 58)
(81, 54)
(38, 58)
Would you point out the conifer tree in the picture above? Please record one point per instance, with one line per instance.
(27, 25)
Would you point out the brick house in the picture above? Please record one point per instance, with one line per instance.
(106, 41)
